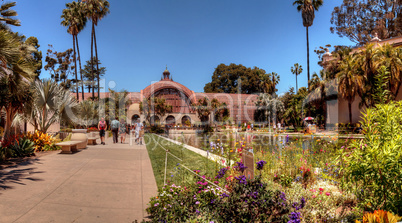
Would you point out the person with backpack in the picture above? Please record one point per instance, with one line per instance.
(102, 128)
(115, 129)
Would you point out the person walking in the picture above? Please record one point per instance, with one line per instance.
(115, 128)
(102, 126)
(138, 128)
(122, 131)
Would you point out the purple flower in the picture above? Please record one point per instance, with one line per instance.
(295, 217)
(242, 179)
(221, 173)
(240, 167)
(196, 211)
(302, 204)
(260, 164)
(283, 196)
(197, 202)
(224, 195)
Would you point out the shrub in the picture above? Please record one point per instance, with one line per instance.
(43, 141)
(22, 147)
(373, 167)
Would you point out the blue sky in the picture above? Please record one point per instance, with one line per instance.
(140, 37)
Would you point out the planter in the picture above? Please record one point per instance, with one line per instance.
(80, 135)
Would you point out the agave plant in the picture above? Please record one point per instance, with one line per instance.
(22, 148)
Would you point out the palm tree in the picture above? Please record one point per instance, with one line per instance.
(270, 105)
(7, 14)
(296, 70)
(16, 71)
(96, 10)
(73, 18)
(307, 8)
(391, 58)
(349, 81)
(51, 104)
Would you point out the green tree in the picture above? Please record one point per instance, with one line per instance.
(235, 78)
(16, 72)
(118, 103)
(59, 66)
(37, 55)
(359, 20)
(74, 19)
(307, 8)
(89, 76)
(95, 10)
(88, 113)
(203, 108)
(154, 106)
(296, 70)
(7, 15)
(270, 105)
(391, 58)
(349, 81)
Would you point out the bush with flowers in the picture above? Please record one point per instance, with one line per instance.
(232, 198)
(43, 141)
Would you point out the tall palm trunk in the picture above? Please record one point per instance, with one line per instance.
(92, 61)
(79, 60)
(296, 83)
(308, 59)
(75, 66)
(97, 64)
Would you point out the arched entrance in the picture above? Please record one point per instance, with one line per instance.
(134, 118)
(186, 121)
(155, 120)
(170, 120)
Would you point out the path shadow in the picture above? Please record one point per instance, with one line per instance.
(17, 173)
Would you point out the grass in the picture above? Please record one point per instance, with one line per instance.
(176, 171)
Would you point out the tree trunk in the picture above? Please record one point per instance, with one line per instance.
(296, 84)
(97, 64)
(308, 59)
(350, 112)
(7, 125)
(92, 61)
(79, 61)
(75, 67)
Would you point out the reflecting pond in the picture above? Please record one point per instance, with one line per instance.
(249, 141)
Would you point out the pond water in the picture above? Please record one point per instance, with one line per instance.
(249, 141)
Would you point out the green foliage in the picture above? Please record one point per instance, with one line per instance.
(59, 66)
(89, 76)
(382, 94)
(22, 147)
(248, 201)
(235, 78)
(373, 168)
(37, 55)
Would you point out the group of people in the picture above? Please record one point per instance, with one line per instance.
(120, 128)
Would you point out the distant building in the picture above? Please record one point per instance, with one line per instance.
(241, 106)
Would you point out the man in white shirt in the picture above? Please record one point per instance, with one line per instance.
(138, 130)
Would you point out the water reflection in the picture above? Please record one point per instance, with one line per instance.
(249, 141)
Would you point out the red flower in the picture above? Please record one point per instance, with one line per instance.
(327, 193)
(321, 189)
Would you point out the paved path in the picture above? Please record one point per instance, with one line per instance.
(103, 183)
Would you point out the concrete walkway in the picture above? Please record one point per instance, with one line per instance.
(103, 183)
